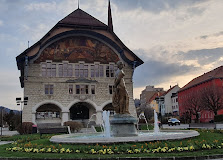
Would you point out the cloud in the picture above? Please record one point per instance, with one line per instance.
(154, 72)
(212, 35)
(46, 6)
(1, 23)
(157, 6)
(10, 87)
(203, 56)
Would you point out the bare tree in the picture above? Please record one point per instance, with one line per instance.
(193, 105)
(148, 112)
(212, 99)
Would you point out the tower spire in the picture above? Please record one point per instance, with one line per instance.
(78, 4)
(110, 25)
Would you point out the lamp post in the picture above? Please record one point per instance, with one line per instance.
(1, 119)
(20, 102)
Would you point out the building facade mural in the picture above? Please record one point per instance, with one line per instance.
(78, 48)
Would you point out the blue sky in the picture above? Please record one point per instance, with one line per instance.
(178, 40)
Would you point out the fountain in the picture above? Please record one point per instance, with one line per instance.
(108, 137)
(122, 123)
(142, 116)
(156, 126)
(106, 124)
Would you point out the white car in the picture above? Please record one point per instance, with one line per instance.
(173, 121)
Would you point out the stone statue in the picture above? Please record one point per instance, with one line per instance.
(120, 99)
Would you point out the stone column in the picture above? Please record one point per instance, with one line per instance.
(34, 118)
(64, 117)
(98, 117)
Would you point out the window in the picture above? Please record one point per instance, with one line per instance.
(70, 89)
(101, 70)
(77, 89)
(110, 89)
(81, 70)
(97, 70)
(48, 69)
(92, 89)
(65, 70)
(110, 70)
(49, 89)
(82, 89)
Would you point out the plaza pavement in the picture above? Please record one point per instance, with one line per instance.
(186, 126)
(6, 132)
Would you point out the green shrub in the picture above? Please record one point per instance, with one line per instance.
(74, 126)
(218, 118)
(25, 128)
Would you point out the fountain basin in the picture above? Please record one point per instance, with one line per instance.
(80, 138)
(123, 125)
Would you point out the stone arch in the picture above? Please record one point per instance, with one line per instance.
(107, 106)
(105, 103)
(83, 111)
(87, 101)
(48, 111)
(63, 109)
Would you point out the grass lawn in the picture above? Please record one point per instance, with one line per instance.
(209, 142)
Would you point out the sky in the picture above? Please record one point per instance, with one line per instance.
(178, 40)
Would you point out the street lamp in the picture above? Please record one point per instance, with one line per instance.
(1, 119)
(20, 102)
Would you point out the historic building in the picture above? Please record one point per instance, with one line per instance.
(69, 73)
(212, 79)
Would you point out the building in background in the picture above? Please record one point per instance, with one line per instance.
(153, 103)
(175, 105)
(69, 73)
(168, 100)
(148, 93)
(191, 96)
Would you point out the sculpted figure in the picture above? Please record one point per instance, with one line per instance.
(120, 100)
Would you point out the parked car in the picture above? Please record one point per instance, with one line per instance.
(173, 121)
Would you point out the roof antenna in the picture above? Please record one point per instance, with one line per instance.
(78, 3)
(28, 44)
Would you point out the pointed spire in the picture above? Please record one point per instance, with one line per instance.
(110, 25)
(78, 4)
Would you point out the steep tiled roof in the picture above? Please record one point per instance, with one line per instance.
(169, 90)
(216, 73)
(79, 17)
(158, 94)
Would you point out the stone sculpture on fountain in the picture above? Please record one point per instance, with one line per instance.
(122, 124)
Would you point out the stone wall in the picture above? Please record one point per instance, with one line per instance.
(35, 91)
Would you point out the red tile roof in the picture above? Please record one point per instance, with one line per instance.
(216, 73)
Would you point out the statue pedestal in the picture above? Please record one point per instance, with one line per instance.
(123, 125)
